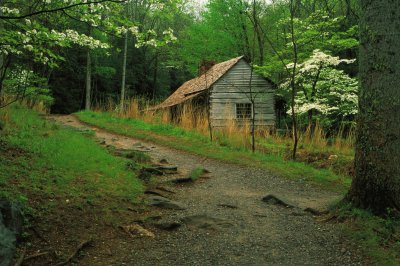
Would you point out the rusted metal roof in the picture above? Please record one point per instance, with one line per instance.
(196, 86)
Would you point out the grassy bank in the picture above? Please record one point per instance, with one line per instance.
(334, 151)
(42, 161)
(378, 237)
(195, 142)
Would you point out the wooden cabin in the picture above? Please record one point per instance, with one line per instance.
(226, 88)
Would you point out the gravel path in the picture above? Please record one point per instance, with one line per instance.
(227, 223)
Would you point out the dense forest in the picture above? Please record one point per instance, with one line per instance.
(74, 55)
(87, 132)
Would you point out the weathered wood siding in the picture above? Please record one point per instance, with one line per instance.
(233, 88)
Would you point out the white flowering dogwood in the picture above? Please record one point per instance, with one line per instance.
(323, 91)
(27, 37)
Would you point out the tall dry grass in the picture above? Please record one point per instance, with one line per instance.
(195, 118)
(38, 106)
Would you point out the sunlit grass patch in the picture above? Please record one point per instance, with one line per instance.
(62, 162)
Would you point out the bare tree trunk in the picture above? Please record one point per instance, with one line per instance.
(260, 44)
(122, 102)
(4, 64)
(210, 131)
(253, 126)
(310, 118)
(259, 34)
(3, 67)
(252, 96)
(208, 108)
(247, 52)
(88, 80)
(376, 186)
(155, 73)
(311, 98)
(88, 75)
(253, 110)
(293, 81)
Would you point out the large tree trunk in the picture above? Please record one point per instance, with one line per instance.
(376, 185)
(122, 103)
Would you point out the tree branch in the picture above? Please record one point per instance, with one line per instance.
(59, 9)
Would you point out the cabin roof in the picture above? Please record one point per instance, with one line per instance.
(196, 86)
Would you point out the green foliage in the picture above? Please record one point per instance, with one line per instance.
(328, 93)
(25, 84)
(379, 237)
(59, 161)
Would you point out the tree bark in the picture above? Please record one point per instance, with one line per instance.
(122, 103)
(292, 81)
(88, 80)
(2, 63)
(210, 129)
(88, 75)
(155, 75)
(312, 96)
(252, 96)
(246, 48)
(376, 186)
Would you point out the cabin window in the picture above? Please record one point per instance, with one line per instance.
(243, 110)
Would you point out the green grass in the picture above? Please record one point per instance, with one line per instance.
(52, 162)
(196, 173)
(195, 142)
(378, 237)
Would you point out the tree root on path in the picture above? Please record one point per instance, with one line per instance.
(82, 245)
(21, 258)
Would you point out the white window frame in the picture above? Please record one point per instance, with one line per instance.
(244, 118)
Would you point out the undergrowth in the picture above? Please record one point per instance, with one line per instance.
(193, 141)
(335, 152)
(41, 160)
(379, 237)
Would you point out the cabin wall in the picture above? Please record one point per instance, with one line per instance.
(234, 88)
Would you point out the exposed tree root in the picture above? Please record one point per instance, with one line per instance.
(73, 255)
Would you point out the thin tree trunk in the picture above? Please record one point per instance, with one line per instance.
(253, 126)
(88, 75)
(252, 96)
(312, 96)
(88, 80)
(122, 102)
(376, 185)
(247, 52)
(253, 110)
(260, 45)
(309, 118)
(155, 73)
(3, 67)
(292, 82)
(210, 131)
(5, 63)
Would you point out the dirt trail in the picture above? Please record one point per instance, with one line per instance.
(227, 223)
